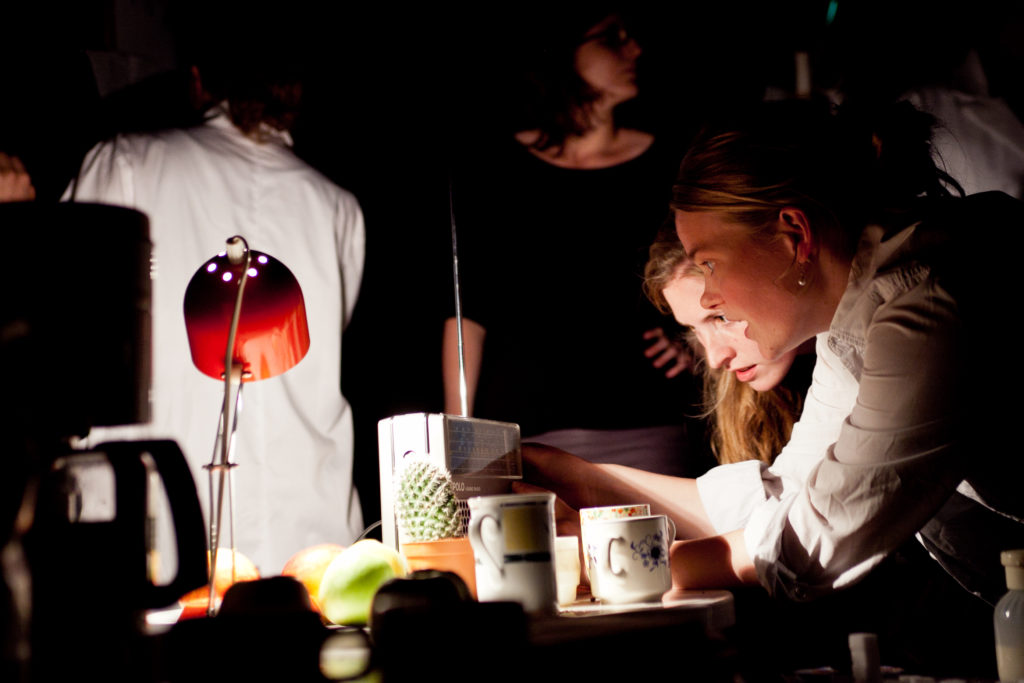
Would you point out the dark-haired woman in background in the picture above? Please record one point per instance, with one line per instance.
(554, 221)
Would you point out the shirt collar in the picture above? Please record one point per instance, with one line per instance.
(219, 116)
(883, 268)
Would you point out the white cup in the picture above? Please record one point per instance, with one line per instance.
(513, 539)
(588, 515)
(567, 568)
(631, 557)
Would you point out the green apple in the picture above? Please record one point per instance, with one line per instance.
(353, 577)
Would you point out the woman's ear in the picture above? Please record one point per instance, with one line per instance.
(794, 226)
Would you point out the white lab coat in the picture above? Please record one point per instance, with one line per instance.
(200, 186)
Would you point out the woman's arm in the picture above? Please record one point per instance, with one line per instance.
(713, 562)
(473, 350)
(583, 484)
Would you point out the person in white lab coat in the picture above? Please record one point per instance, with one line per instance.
(236, 173)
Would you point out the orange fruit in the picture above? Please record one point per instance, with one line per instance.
(308, 567)
(195, 602)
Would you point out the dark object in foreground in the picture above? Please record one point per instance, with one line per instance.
(265, 630)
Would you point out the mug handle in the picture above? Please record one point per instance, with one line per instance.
(476, 540)
(672, 530)
(608, 556)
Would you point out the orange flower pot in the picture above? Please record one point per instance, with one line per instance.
(447, 554)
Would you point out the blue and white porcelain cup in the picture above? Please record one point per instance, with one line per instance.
(630, 557)
(595, 514)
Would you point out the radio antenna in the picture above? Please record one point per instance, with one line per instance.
(463, 403)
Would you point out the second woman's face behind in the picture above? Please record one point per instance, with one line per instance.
(606, 60)
(724, 342)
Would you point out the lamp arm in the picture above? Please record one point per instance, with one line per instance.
(237, 251)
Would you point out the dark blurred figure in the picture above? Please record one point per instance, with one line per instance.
(48, 117)
(958, 61)
(979, 141)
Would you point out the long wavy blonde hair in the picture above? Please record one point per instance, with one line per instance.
(745, 424)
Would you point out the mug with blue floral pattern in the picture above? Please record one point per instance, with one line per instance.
(630, 557)
(595, 514)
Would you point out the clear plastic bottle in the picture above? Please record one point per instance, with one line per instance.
(1009, 619)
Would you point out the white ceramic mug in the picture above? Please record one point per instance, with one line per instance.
(513, 539)
(588, 515)
(567, 568)
(631, 557)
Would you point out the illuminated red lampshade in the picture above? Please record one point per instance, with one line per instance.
(272, 332)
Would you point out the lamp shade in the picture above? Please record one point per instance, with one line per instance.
(272, 332)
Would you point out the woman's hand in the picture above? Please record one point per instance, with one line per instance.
(667, 353)
(15, 183)
(567, 520)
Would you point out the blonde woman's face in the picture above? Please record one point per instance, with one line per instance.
(725, 342)
(742, 279)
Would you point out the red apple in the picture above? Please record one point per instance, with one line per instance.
(308, 566)
(195, 602)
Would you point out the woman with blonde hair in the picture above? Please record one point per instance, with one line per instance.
(837, 227)
(750, 418)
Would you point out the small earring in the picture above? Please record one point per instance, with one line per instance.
(802, 280)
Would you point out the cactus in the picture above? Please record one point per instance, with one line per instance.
(425, 506)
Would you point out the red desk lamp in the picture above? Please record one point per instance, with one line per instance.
(246, 321)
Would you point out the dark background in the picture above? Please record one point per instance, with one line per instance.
(395, 93)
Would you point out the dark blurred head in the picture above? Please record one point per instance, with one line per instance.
(253, 59)
(551, 93)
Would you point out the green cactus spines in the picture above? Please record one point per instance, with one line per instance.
(425, 505)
